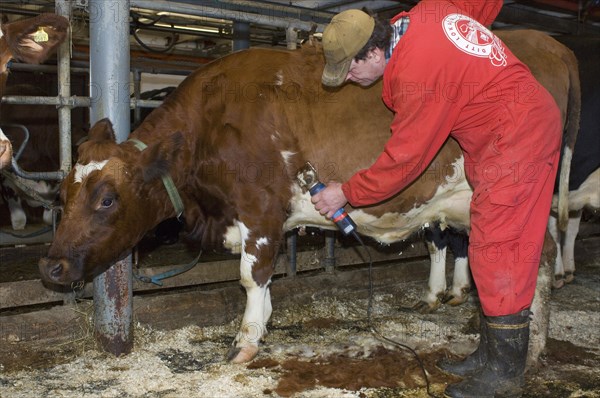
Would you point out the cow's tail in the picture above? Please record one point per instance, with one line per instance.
(569, 137)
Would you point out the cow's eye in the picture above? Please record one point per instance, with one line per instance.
(107, 202)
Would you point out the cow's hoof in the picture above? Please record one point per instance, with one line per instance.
(19, 226)
(242, 354)
(569, 277)
(559, 282)
(424, 307)
(454, 300)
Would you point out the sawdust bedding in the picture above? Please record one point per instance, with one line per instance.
(321, 349)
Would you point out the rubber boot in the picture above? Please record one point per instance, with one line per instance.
(473, 361)
(503, 373)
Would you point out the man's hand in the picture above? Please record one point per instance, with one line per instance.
(330, 199)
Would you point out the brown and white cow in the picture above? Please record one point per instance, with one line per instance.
(232, 137)
(30, 40)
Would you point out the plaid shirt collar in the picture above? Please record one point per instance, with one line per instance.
(398, 29)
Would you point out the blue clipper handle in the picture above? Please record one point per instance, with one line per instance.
(340, 217)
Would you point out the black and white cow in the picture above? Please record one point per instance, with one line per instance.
(39, 154)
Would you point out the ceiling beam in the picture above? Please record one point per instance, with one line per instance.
(512, 14)
(276, 16)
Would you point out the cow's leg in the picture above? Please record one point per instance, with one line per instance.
(256, 268)
(18, 218)
(461, 281)
(5, 150)
(568, 249)
(47, 217)
(437, 243)
(559, 270)
(540, 308)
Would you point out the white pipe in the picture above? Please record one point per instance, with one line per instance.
(204, 11)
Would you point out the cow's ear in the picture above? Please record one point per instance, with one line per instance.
(157, 159)
(33, 40)
(101, 131)
(100, 144)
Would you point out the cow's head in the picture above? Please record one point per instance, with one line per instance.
(30, 40)
(111, 198)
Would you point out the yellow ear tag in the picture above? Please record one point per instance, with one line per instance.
(40, 35)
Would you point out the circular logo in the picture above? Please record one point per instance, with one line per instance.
(473, 38)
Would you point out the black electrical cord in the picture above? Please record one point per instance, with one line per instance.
(372, 327)
(136, 18)
(172, 43)
(137, 24)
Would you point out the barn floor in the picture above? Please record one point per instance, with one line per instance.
(320, 347)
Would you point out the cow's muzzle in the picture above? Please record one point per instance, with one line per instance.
(58, 270)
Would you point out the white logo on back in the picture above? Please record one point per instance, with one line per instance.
(473, 38)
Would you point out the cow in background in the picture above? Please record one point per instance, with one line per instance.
(41, 153)
(555, 67)
(584, 182)
(30, 40)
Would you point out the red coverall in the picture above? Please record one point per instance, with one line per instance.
(449, 75)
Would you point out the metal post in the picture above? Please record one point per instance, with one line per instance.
(291, 37)
(109, 92)
(292, 251)
(63, 7)
(329, 260)
(241, 35)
